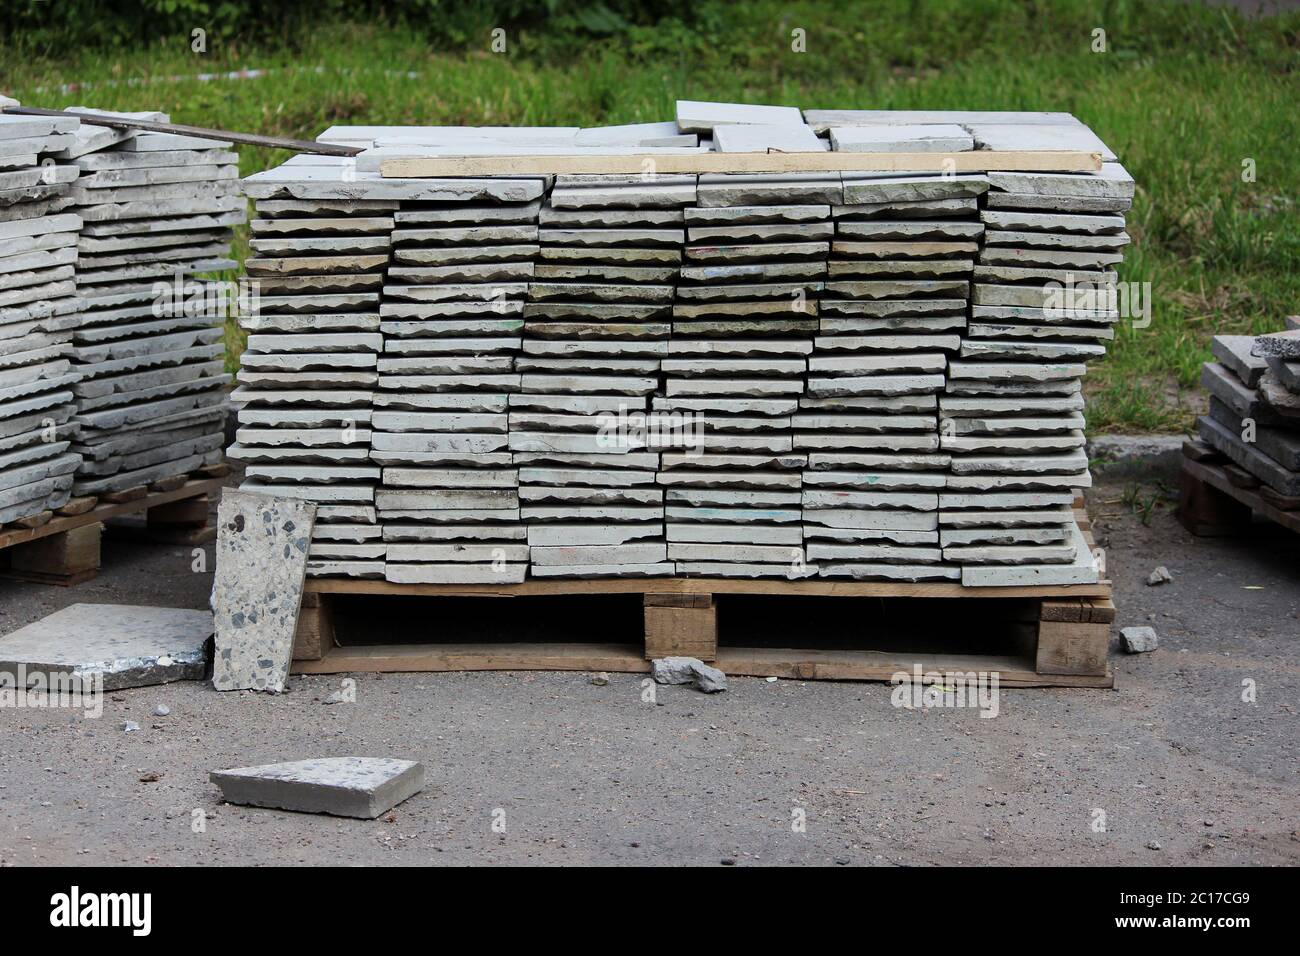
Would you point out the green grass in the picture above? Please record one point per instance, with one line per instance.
(1183, 95)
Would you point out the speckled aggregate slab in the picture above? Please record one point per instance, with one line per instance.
(262, 544)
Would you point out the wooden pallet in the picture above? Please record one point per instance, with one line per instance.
(1062, 633)
(63, 547)
(1216, 497)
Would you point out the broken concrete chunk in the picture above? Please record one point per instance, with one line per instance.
(686, 670)
(1160, 575)
(1139, 640)
(674, 670)
(364, 787)
(708, 679)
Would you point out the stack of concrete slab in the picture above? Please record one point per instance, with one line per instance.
(1254, 415)
(1045, 300)
(451, 322)
(893, 314)
(391, 337)
(158, 213)
(596, 327)
(859, 374)
(309, 370)
(38, 311)
(743, 328)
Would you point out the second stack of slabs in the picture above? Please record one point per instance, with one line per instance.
(308, 373)
(892, 315)
(38, 311)
(596, 329)
(452, 319)
(1254, 414)
(158, 211)
(743, 328)
(1044, 305)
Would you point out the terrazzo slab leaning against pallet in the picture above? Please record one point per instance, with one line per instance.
(39, 310)
(158, 212)
(857, 375)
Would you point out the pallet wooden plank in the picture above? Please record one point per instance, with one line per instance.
(315, 635)
(68, 558)
(1278, 500)
(1068, 610)
(1101, 610)
(795, 664)
(422, 167)
(1199, 451)
(622, 658)
(1211, 504)
(679, 599)
(532, 588)
(803, 664)
(104, 511)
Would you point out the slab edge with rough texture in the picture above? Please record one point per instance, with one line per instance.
(128, 645)
(364, 787)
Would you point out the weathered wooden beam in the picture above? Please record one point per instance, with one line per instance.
(1060, 161)
(150, 126)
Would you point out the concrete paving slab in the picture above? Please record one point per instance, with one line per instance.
(364, 787)
(122, 645)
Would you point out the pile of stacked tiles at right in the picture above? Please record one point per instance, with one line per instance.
(1254, 415)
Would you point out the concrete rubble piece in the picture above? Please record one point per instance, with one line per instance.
(688, 670)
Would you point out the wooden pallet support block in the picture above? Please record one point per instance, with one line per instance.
(1206, 511)
(184, 521)
(67, 558)
(681, 625)
(186, 511)
(1070, 640)
(315, 633)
